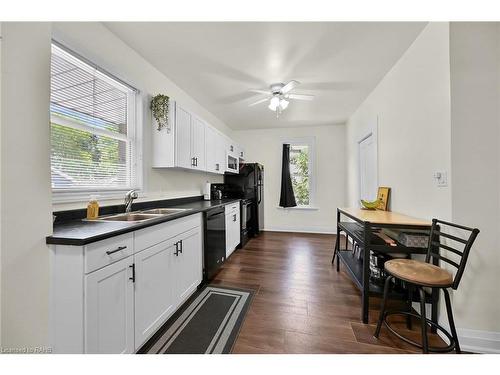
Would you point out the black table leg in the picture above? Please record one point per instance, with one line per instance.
(337, 242)
(365, 293)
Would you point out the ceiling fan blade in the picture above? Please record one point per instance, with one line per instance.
(289, 86)
(259, 101)
(265, 92)
(300, 96)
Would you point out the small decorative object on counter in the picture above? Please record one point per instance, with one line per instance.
(159, 108)
(383, 197)
(93, 208)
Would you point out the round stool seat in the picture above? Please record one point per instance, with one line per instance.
(419, 273)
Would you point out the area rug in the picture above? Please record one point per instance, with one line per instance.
(208, 323)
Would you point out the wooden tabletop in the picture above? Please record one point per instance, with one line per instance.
(384, 217)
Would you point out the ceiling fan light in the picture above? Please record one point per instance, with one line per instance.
(274, 103)
(283, 104)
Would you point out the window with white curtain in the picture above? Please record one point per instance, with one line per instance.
(93, 128)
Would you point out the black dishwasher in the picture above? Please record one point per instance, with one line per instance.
(215, 242)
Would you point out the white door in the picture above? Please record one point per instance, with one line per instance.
(368, 173)
(187, 264)
(154, 301)
(211, 145)
(183, 138)
(109, 309)
(198, 143)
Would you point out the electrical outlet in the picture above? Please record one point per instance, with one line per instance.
(441, 178)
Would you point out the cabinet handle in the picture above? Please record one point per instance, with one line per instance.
(196, 161)
(133, 273)
(216, 166)
(119, 248)
(234, 217)
(241, 153)
(177, 248)
(232, 148)
(180, 247)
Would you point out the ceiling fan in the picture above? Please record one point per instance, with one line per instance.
(278, 96)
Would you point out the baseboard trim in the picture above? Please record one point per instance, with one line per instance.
(313, 230)
(476, 341)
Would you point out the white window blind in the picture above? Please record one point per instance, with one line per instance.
(93, 123)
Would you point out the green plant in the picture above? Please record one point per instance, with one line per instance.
(159, 108)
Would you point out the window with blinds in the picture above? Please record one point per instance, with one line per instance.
(92, 120)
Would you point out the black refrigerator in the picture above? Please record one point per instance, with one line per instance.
(247, 185)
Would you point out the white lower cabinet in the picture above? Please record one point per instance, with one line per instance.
(154, 298)
(118, 304)
(187, 269)
(233, 224)
(109, 309)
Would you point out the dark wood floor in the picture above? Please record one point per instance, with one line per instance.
(301, 304)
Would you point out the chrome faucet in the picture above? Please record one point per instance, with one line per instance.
(129, 198)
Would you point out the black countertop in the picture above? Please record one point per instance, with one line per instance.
(77, 232)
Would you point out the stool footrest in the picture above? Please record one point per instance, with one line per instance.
(446, 349)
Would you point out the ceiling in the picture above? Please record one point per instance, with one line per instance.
(218, 62)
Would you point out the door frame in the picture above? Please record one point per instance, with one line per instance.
(372, 131)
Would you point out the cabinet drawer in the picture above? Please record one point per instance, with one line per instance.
(231, 208)
(153, 235)
(102, 253)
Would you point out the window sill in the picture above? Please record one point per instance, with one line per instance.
(300, 208)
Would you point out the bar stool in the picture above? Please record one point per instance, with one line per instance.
(419, 275)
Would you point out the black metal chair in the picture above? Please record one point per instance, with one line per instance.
(419, 275)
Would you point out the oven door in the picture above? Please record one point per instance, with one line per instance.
(232, 163)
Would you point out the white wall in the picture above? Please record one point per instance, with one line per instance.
(97, 43)
(412, 105)
(265, 146)
(475, 136)
(25, 183)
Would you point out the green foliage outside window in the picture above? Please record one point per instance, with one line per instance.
(299, 168)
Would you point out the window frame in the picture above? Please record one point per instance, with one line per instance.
(133, 136)
(311, 143)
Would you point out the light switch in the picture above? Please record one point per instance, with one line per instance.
(441, 178)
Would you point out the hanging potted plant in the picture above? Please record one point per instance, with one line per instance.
(159, 108)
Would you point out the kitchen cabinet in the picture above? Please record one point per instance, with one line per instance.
(154, 298)
(111, 296)
(183, 120)
(187, 264)
(189, 140)
(214, 150)
(198, 143)
(109, 309)
(193, 144)
(233, 225)
(240, 151)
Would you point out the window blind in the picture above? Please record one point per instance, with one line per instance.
(92, 127)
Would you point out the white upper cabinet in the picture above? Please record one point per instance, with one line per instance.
(198, 143)
(214, 150)
(183, 157)
(192, 144)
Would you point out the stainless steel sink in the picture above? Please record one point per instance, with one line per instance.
(165, 211)
(132, 217)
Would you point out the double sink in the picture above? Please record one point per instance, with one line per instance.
(138, 216)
